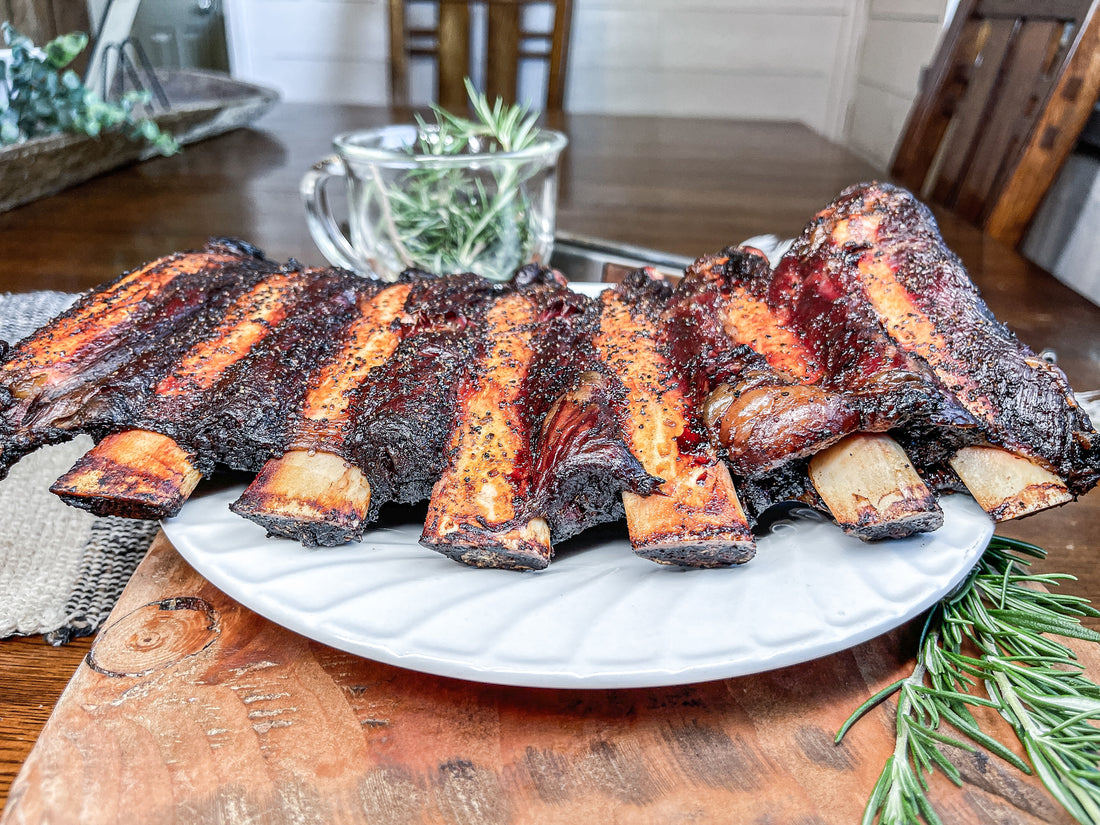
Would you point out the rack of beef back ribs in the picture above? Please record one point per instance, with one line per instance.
(225, 402)
(759, 386)
(525, 412)
(872, 272)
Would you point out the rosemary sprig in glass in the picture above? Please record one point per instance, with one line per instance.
(993, 631)
(443, 219)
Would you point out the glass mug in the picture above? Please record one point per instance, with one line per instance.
(479, 211)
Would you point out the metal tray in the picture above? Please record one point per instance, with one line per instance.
(594, 260)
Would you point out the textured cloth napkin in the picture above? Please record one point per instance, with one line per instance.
(61, 569)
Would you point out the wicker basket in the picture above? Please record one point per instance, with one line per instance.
(203, 104)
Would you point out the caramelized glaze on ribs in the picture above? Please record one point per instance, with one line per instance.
(230, 398)
(873, 264)
(225, 402)
(752, 377)
(694, 517)
(89, 369)
(476, 512)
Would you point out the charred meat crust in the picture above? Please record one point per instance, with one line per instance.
(257, 340)
(474, 511)
(93, 366)
(568, 463)
(581, 464)
(404, 411)
(244, 420)
(881, 248)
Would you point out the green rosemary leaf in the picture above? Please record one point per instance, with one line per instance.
(999, 544)
(945, 695)
(970, 729)
(1077, 705)
(933, 735)
(1030, 678)
(1045, 624)
(870, 704)
(878, 794)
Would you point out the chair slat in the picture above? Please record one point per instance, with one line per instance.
(974, 109)
(1044, 10)
(1053, 138)
(1000, 141)
(995, 97)
(510, 41)
(502, 51)
(943, 84)
(454, 55)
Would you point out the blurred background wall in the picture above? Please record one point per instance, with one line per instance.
(848, 68)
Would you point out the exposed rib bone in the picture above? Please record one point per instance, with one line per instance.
(1007, 485)
(315, 497)
(136, 474)
(313, 494)
(872, 490)
(473, 515)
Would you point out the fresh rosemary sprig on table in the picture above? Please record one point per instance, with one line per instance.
(443, 219)
(992, 630)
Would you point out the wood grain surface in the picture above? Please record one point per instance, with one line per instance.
(387, 745)
(189, 708)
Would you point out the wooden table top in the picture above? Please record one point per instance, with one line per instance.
(685, 186)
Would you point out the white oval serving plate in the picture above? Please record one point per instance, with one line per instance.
(598, 616)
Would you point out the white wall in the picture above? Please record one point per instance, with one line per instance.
(743, 58)
(899, 39)
(848, 68)
(312, 50)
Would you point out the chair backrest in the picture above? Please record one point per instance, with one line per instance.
(512, 36)
(1000, 108)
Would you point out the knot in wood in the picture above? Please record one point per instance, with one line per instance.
(155, 636)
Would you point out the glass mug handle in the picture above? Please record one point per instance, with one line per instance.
(327, 234)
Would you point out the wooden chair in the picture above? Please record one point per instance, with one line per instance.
(509, 42)
(1001, 107)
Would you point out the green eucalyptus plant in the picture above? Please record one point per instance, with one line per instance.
(46, 98)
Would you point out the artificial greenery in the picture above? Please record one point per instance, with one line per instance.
(46, 98)
(994, 631)
(445, 220)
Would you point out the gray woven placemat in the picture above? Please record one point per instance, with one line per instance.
(61, 569)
